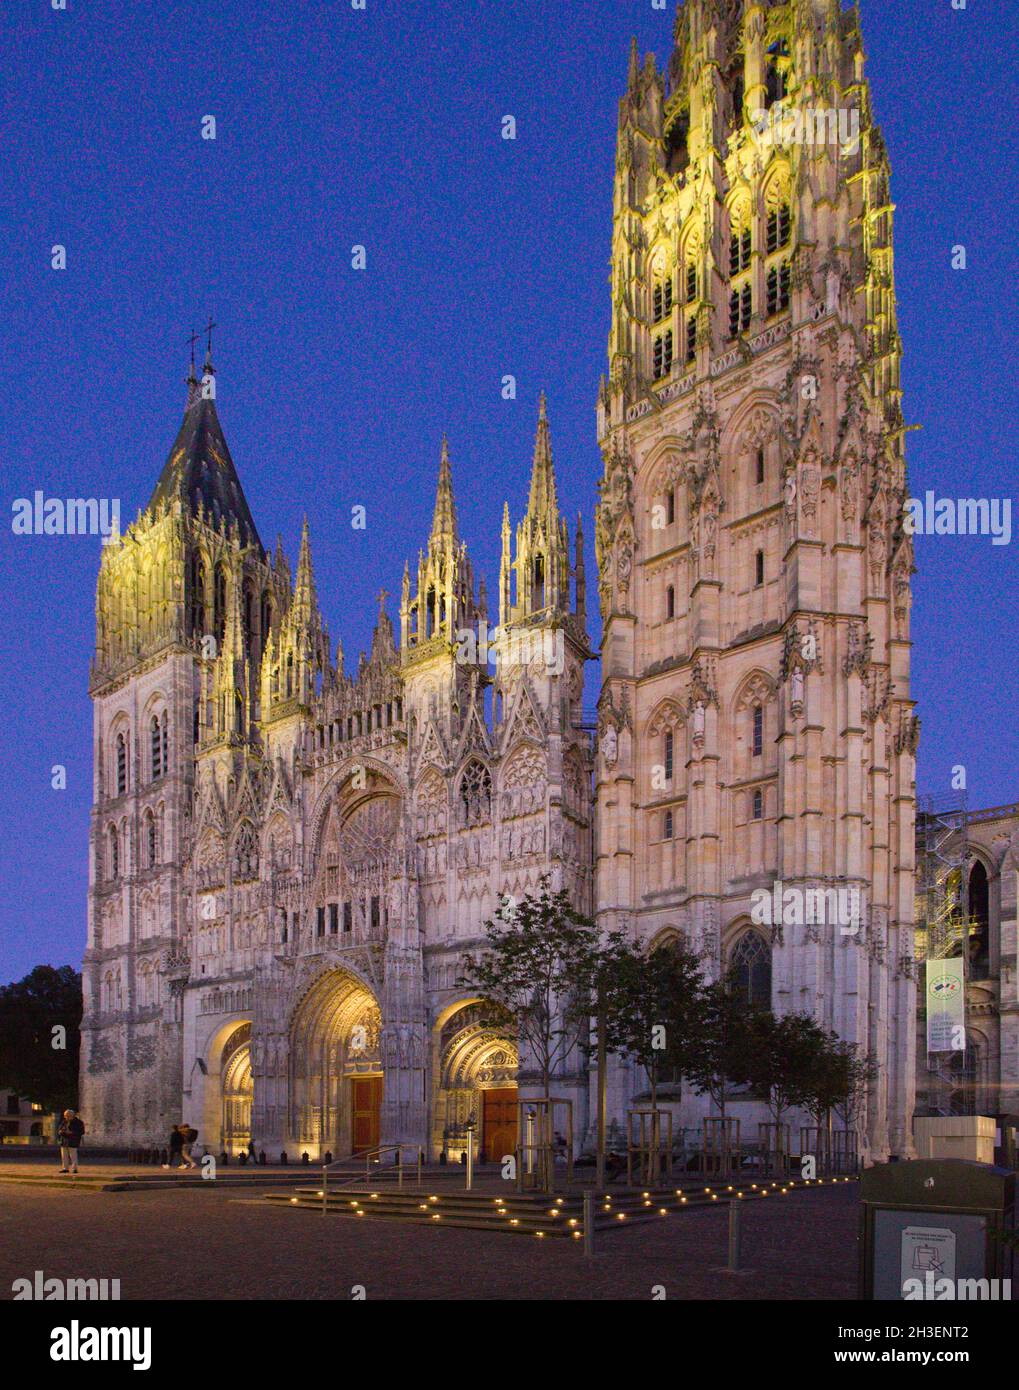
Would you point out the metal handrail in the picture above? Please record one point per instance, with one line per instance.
(368, 1156)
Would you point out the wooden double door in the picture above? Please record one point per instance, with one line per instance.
(365, 1111)
(498, 1123)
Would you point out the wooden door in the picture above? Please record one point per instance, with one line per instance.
(499, 1123)
(365, 1107)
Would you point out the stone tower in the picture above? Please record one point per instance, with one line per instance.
(755, 719)
(183, 602)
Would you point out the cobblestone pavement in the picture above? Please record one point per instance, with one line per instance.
(205, 1244)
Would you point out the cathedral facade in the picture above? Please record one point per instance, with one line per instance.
(288, 861)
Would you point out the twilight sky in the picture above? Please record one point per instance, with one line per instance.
(485, 257)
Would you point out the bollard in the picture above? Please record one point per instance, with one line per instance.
(734, 1234)
(588, 1225)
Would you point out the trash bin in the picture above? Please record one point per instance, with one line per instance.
(933, 1230)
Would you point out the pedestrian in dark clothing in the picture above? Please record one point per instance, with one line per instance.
(70, 1135)
(176, 1147)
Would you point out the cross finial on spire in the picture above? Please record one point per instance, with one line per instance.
(192, 339)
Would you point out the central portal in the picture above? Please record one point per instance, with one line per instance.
(335, 1076)
(365, 1110)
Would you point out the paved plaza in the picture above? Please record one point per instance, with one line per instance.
(216, 1242)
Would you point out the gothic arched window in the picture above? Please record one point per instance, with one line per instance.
(759, 477)
(114, 852)
(151, 840)
(750, 964)
(245, 861)
(121, 764)
(779, 288)
(668, 752)
(661, 297)
(779, 226)
(219, 603)
(667, 826)
(476, 794)
(758, 731)
(758, 804)
(979, 914)
(157, 747)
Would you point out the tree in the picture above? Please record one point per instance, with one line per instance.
(539, 968)
(654, 1005)
(36, 1060)
(722, 1058)
(788, 1057)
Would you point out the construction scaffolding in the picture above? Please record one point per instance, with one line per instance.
(943, 932)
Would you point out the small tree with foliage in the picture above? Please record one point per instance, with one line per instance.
(539, 967)
(722, 1059)
(788, 1056)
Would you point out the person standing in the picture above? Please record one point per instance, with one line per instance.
(70, 1135)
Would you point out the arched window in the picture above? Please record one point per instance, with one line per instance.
(663, 354)
(151, 840)
(670, 601)
(979, 916)
(661, 297)
(539, 581)
(690, 344)
(121, 764)
(775, 77)
(156, 740)
(691, 281)
(670, 506)
(760, 467)
(758, 804)
(245, 859)
(667, 826)
(779, 288)
(114, 852)
(758, 731)
(779, 226)
(668, 750)
(219, 603)
(197, 597)
(758, 569)
(476, 794)
(739, 249)
(750, 966)
(740, 310)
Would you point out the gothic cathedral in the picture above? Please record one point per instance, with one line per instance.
(288, 860)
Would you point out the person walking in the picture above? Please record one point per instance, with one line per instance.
(70, 1135)
(190, 1135)
(176, 1147)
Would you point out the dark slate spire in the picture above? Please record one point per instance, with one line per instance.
(199, 468)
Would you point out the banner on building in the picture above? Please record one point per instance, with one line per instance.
(946, 1006)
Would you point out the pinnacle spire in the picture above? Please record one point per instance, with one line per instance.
(444, 519)
(543, 500)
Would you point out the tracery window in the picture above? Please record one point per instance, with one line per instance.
(758, 737)
(245, 861)
(668, 750)
(476, 794)
(750, 964)
(121, 765)
(740, 310)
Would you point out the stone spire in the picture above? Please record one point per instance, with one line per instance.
(543, 545)
(444, 517)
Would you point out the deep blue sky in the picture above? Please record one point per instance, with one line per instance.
(485, 257)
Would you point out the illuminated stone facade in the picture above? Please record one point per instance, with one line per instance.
(755, 714)
(288, 860)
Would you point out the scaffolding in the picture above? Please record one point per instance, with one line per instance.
(943, 931)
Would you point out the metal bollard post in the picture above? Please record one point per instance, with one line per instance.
(470, 1157)
(588, 1225)
(734, 1234)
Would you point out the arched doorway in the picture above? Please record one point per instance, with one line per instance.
(477, 1071)
(335, 1067)
(237, 1090)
